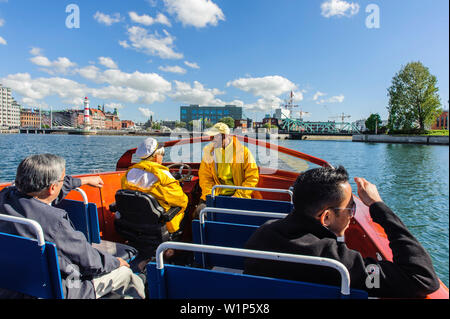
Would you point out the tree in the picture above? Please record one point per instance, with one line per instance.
(180, 124)
(373, 121)
(228, 121)
(413, 98)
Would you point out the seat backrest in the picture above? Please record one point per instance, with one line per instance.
(196, 283)
(245, 204)
(84, 218)
(221, 234)
(29, 266)
(138, 207)
(181, 282)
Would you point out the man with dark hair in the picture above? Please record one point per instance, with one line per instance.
(41, 182)
(323, 207)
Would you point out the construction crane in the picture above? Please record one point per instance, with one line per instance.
(343, 116)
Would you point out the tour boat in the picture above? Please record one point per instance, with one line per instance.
(363, 234)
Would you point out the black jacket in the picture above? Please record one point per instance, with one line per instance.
(72, 246)
(411, 274)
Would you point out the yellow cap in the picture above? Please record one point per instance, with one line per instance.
(218, 128)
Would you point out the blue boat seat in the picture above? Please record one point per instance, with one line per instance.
(84, 218)
(29, 266)
(245, 204)
(221, 234)
(181, 282)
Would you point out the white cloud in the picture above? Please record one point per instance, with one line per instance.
(197, 13)
(60, 65)
(108, 62)
(266, 87)
(36, 51)
(35, 90)
(333, 99)
(195, 94)
(2, 22)
(124, 44)
(339, 8)
(90, 72)
(114, 106)
(146, 112)
(173, 69)
(107, 19)
(318, 95)
(152, 44)
(148, 20)
(3, 41)
(192, 65)
(136, 87)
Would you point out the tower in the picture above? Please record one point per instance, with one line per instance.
(87, 120)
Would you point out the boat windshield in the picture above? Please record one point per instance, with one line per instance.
(266, 154)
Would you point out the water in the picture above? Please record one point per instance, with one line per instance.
(412, 179)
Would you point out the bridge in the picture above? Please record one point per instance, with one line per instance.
(298, 127)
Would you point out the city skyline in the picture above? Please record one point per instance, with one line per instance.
(150, 57)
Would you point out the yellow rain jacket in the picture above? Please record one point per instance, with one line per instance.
(166, 190)
(243, 168)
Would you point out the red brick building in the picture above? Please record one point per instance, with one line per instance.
(441, 122)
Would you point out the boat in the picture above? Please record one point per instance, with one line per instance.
(362, 235)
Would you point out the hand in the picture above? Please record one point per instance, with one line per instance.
(123, 262)
(367, 191)
(94, 181)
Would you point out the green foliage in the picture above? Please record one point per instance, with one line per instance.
(413, 98)
(228, 121)
(156, 126)
(373, 121)
(180, 124)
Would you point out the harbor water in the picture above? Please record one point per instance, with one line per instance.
(412, 179)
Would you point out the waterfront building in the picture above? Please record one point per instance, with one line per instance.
(441, 122)
(127, 124)
(112, 121)
(211, 114)
(30, 118)
(9, 109)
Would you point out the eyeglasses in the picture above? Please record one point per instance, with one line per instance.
(352, 209)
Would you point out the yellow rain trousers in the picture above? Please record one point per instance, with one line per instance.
(166, 190)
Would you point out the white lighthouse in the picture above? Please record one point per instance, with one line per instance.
(87, 119)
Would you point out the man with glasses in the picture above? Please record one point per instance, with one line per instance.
(41, 182)
(323, 208)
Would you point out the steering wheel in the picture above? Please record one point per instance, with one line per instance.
(186, 177)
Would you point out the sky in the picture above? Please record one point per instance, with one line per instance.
(149, 57)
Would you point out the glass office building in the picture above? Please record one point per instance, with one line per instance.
(209, 113)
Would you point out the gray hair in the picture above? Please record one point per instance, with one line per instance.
(37, 172)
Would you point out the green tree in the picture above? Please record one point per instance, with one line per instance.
(180, 124)
(228, 121)
(373, 121)
(413, 98)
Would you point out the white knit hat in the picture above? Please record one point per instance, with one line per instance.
(147, 148)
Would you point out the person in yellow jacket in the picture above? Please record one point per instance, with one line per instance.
(149, 176)
(226, 162)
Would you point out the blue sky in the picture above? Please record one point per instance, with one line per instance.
(151, 56)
